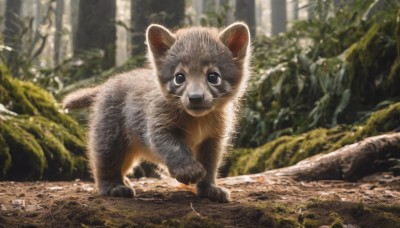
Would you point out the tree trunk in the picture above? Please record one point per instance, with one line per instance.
(245, 11)
(12, 30)
(295, 9)
(169, 13)
(198, 10)
(97, 29)
(351, 162)
(12, 24)
(59, 31)
(278, 16)
(74, 12)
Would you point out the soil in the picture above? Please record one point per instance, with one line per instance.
(257, 201)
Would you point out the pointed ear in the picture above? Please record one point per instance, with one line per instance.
(159, 40)
(237, 38)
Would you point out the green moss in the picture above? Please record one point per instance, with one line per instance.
(28, 159)
(381, 121)
(58, 158)
(286, 222)
(288, 150)
(337, 220)
(310, 223)
(193, 220)
(41, 142)
(15, 97)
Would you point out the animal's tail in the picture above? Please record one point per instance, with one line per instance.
(81, 98)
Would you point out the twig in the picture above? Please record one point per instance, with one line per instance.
(51, 208)
(197, 213)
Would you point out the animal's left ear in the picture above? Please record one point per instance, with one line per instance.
(237, 38)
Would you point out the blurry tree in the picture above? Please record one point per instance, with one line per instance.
(295, 9)
(278, 16)
(12, 28)
(59, 30)
(169, 13)
(245, 11)
(217, 13)
(97, 29)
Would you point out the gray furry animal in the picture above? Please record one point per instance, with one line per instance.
(179, 112)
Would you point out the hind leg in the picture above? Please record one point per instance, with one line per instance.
(110, 173)
(110, 156)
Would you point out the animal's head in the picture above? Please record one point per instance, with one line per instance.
(202, 67)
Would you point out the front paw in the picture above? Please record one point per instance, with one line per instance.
(190, 172)
(213, 192)
(117, 190)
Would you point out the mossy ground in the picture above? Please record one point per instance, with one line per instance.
(41, 141)
(288, 150)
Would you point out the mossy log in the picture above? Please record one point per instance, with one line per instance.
(41, 142)
(351, 162)
(288, 150)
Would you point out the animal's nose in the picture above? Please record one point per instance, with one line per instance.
(196, 97)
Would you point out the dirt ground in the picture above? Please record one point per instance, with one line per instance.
(257, 201)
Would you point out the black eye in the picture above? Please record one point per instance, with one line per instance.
(179, 78)
(214, 78)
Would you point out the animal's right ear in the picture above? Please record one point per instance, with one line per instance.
(159, 40)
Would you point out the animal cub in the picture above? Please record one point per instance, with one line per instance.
(179, 112)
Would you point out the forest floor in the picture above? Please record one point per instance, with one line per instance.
(256, 202)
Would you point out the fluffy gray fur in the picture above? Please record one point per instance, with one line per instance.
(143, 114)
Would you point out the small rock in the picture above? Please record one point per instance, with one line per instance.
(32, 207)
(55, 188)
(3, 208)
(18, 203)
(40, 195)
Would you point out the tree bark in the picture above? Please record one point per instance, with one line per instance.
(12, 22)
(295, 9)
(349, 163)
(59, 31)
(169, 13)
(278, 16)
(97, 29)
(245, 11)
(12, 30)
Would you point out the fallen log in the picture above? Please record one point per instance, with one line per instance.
(350, 163)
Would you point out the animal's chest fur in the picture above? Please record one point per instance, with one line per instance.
(196, 130)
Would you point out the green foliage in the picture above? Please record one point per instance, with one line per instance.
(40, 142)
(326, 71)
(288, 150)
(27, 44)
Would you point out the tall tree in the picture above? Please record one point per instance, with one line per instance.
(295, 9)
(278, 16)
(245, 11)
(59, 30)
(12, 22)
(12, 29)
(97, 29)
(144, 12)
